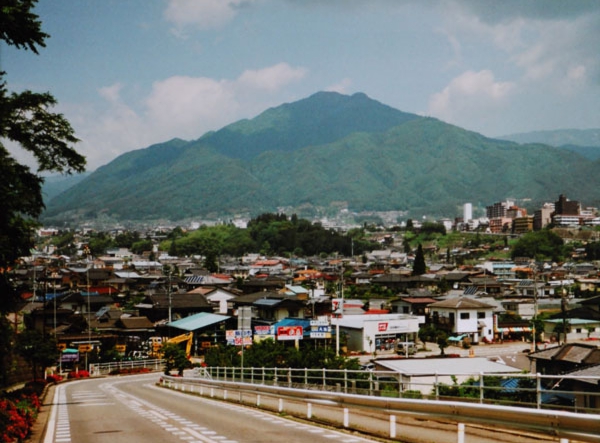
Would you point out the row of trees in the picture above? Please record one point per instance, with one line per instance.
(268, 234)
(27, 121)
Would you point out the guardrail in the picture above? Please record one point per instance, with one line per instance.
(554, 392)
(559, 424)
(97, 369)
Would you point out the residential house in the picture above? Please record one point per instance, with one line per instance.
(564, 359)
(157, 306)
(269, 307)
(464, 316)
(586, 386)
(220, 298)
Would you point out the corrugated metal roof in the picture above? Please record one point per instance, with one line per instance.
(267, 302)
(198, 321)
(454, 366)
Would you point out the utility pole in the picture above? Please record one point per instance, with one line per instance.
(89, 308)
(340, 310)
(169, 295)
(535, 307)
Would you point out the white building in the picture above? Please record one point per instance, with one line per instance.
(366, 332)
(467, 212)
(464, 316)
(422, 374)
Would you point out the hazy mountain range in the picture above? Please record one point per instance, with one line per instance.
(326, 152)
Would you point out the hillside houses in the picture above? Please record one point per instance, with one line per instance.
(465, 301)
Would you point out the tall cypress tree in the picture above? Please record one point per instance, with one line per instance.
(419, 267)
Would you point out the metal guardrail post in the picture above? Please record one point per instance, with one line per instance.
(324, 378)
(558, 423)
(437, 387)
(538, 390)
(345, 381)
(481, 388)
(306, 377)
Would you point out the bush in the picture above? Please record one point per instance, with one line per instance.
(124, 371)
(54, 378)
(18, 411)
(412, 394)
(79, 374)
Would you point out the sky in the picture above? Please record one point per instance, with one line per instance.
(131, 73)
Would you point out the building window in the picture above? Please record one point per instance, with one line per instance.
(465, 315)
(481, 315)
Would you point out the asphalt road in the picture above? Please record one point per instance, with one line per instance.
(132, 409)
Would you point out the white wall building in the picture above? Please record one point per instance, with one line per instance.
(365, 332)
(467, 212)
(462, 315)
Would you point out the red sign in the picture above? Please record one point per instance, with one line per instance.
(382, 327)
(289, 332)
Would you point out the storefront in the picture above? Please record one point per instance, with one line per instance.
(371, 333)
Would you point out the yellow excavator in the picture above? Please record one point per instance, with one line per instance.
(156, 344)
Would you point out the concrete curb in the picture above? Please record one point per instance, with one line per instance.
(38, 429)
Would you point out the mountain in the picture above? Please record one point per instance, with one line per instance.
(585, 142)
(319, 154)
(57, 184)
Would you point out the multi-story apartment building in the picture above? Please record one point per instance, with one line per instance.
(564, 206)
(500, 224)
(543, 217)
(521, 225)
(498, 210)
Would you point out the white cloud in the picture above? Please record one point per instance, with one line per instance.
(179, 106)
(271, 78)
(184, 106)
(342, 87)
(468, 95)
(111, 93)
(203, 14)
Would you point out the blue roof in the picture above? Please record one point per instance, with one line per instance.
(198, 321)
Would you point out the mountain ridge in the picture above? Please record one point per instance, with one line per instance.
(322, 153)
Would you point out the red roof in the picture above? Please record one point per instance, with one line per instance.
(377, 311)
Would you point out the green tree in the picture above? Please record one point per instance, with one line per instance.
(442, 341)
(419, 266)
(174, 358)
(142, 246)
(26, 120)
(544, 244)
(37, 350)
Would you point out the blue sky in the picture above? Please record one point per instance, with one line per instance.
(131, 73)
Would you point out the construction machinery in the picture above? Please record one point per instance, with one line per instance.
(156, 343)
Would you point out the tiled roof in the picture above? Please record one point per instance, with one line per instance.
(460, 303)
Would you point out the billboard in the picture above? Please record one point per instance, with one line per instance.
(238, 336)
(289, 332)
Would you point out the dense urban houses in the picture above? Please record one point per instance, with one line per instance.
(124, 302)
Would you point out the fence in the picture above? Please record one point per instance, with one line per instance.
(373, 414)
(123, 366)
(558, 392)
